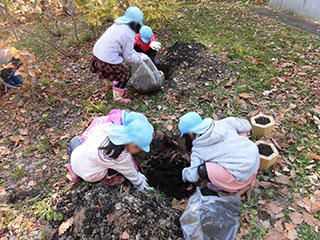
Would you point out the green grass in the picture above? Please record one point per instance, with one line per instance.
(18, 173)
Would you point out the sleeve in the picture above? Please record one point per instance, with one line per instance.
(128, 170)
(238, 124)
(128, 52)
(191, 174)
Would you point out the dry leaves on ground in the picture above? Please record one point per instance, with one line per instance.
(65, 226)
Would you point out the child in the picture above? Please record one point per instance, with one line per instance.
(220, 152)
(105, 150)
(113, 48)
(145, 42)
(8, 64)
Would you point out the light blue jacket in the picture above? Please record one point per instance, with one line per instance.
(222, 144)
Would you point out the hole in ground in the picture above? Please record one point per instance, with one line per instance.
(265, 149)
(163, 167)
(263, 120)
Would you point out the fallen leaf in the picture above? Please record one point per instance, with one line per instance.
(125, 235)
(6, 166)
(181, 205)
(111, 217)
(289, 226)
(32, 183)
(315, 207)
(313, 156)
(126, 190)
(170, 127)
(246, 95)
(274, 209)
(310, 220)
(267, 184)
(292, 234)
(65, 226)
(296, 218)
(282, 179)
(274, 234)
(68, 176)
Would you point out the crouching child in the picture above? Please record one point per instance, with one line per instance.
(8, 66)
(104, 152)
(146, 42)
(220, 152)
(115, 47)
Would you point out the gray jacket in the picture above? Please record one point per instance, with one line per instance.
(222, 144)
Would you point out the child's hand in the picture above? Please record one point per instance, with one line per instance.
(144, 185)
(155, 45)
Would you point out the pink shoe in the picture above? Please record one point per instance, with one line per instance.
(74, 176)
(118, 95)
(113, 180)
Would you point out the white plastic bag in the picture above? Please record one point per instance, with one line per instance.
(145, 77)
(210, 217)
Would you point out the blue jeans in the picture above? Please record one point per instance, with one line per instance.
(74, 143)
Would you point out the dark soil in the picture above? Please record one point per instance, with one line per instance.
(208, 67)
(102, 212)
(163, 167)
(181, 53)
(187, 66)
(265, 150)
(263, 120)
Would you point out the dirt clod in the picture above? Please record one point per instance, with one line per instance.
(181, 53)
(265, 150)
(263, 120)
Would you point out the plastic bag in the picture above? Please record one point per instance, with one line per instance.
(145, 77)
(210, 217)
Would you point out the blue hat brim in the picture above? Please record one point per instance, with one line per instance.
(125, 20)
(145, 148)
(145, 40)
(200, 128)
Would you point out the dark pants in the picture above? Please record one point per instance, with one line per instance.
(152, 54)
(74, 143)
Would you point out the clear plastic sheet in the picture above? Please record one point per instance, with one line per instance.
(145, 77)
(210, 217)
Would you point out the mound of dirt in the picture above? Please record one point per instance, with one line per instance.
(180, 53)
(163, 167)
(102, 212)
(199, 65)
(208, 67)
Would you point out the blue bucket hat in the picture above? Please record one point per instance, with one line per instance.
(133, 14)
(146, 34)
(138, 132)
(192, 122)
(128, 117)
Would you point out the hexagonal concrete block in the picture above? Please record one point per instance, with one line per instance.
(269, 154)
(262, 125)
